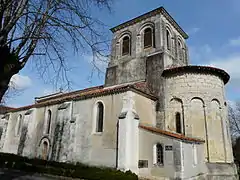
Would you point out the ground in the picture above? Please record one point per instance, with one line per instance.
(19, 175)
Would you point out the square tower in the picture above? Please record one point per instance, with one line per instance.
(154, 36)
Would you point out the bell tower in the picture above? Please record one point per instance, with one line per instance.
(144, 46)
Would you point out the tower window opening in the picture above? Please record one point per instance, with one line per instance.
(126, 46)
(168, 40)
(148, 38)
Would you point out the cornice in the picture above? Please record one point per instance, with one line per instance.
(154, 12)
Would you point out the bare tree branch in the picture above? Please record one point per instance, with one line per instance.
(40, 29)
(234, 119)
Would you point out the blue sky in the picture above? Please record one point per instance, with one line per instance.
(214, 39)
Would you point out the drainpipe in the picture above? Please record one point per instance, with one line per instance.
(117, 144)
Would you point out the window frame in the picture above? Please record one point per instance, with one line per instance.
(158, 153)
(178, 121)
(48, 122)
(195, 158)
(168, 38)
(1, 133)
(129, 45)
(95, 117)
(152, 33)
(180, 49)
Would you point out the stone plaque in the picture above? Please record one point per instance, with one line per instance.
(142, 163)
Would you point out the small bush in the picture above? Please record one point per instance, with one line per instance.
(12, 161)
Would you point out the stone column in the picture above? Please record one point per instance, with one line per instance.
(227, 136)
(128, 135)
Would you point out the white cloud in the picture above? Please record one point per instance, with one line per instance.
(193, 30)
(234, 42)
(20, 82)
(231, 64)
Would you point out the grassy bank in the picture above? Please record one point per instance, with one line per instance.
(79, 170)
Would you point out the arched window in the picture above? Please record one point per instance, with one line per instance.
(126, 45)
(180, 52)
(99, 117)
(178, 123)
(168, 39)
(148, 37)
(48, 123)
(194, 149)
(1, 132)
(158, 154)
(19, 125)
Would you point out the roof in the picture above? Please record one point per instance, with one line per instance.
(171, 134)
(159, 10)
(4, 109)
(198, 69)
(88, 93)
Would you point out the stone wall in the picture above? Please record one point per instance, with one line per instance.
(132, 67)
(72, 136)
(200, 100)
(178, 157)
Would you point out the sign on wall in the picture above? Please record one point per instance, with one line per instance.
(168, 148)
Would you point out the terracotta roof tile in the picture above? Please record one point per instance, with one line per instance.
(198, 69)
(88, 93)
(4, 109)
(171, 134)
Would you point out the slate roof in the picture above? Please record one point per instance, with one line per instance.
(171, 134)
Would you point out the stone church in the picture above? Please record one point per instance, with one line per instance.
(155, 115)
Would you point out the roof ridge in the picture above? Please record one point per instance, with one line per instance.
(153, 12)
(171, 134)
(86, 94)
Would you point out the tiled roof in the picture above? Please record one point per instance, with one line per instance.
(171, 134)
(88, 93)
(150, 14)
(4, 109)
(198, 69)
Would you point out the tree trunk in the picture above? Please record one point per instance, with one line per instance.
(9, 65)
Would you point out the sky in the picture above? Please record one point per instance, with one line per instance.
(214, 39)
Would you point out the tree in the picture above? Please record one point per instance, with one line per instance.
(234, 120)
(39, 30)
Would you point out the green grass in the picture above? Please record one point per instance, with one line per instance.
(79, 170)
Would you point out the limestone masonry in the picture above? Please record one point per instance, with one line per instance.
(156, 115)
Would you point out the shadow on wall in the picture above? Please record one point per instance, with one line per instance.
(22, 140)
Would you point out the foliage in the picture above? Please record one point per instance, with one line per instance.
(79, 170)
(44, 30)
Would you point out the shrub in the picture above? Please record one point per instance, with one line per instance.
(79, 170)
